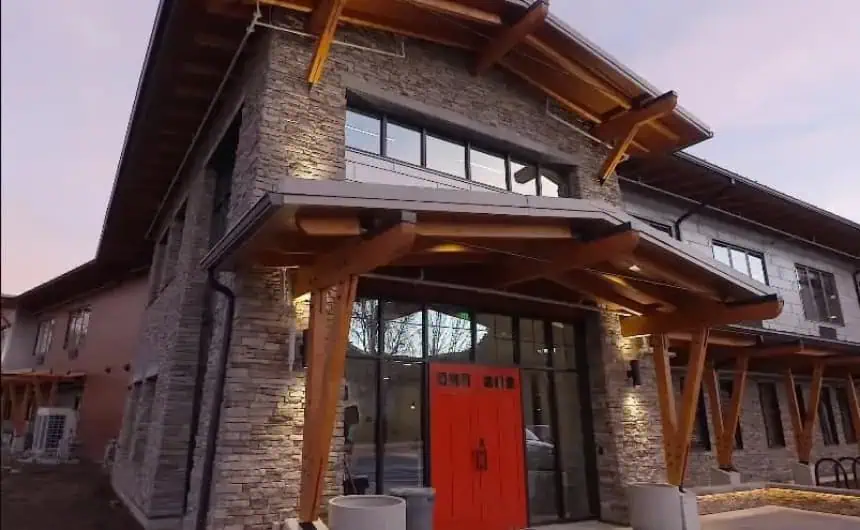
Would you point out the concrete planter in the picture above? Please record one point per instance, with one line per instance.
(367, 512)
(662, 507)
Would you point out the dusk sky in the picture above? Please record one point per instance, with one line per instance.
(777, 81)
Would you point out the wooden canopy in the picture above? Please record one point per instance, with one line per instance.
(194, 44)
(22, 391)
(561, 249)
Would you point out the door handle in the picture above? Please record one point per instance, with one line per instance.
(481, 456)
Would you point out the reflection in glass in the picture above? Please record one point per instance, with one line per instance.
(402, 329)
(449, 333)
(739, 261)
(359, 421)
(445, 156)
(364, 328)
(563, 346)
(523, 178)
(540, 447)
(403, 143)
(363, 132)
(495, 339)
(533, 350)
(552, 184)
(571, 453)
(401, 394)
(487, 169)
(757, 268)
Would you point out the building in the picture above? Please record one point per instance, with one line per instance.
(419, 199)
(71, 345)
(8, 316)
(809, 256)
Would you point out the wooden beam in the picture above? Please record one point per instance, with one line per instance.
(331, 328)
(711, 380)
(853, 405)
(726, 421)
(531, 20)
(464, 229)
(689, 402)
(323, 21)
(52, 394)
(706, 315)
(812, 410)
(515, 270)
(794, 414)
(597, 287)
(355, 257)
(616, 154)
(458, 10)
(619, 126)
(665, 396)
(842, 360)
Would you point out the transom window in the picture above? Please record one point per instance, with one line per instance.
(818, 295)
(44, 334)
(743, 260)
(382, 135)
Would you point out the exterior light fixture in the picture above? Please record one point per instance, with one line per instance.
(634, 374)
(634, 268)
(412, 406)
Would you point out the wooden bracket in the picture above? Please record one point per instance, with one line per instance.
(356, 257)
(331, 312)
(323, 22)
(622, 129)
(678, 425)
(575, 255)
(802, 426)
(511, 36)
(726, 422)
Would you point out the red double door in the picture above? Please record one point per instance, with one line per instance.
(476, 444)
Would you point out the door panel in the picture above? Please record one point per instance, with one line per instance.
(476, 444)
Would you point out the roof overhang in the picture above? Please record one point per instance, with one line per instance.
(187, 75)
(585, 250)
(706, 186)
(33, 377)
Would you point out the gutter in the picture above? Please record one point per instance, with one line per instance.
(856, 276)
(204, 496)
(676, 226)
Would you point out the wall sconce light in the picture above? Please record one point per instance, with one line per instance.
(634, 374)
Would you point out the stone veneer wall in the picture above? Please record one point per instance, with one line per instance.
(811, 498)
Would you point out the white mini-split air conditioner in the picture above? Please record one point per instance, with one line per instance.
(54, 430)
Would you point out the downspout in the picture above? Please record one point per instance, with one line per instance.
(676, 226)
(217, 400)
(857, 284)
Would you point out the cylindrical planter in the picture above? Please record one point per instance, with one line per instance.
(367, 512)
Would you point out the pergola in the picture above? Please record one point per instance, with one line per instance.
(562, 251)
(23, 389)
(772, 353)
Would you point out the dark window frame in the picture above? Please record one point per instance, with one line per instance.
(844, 405)
(657, 225)
(747, 252)
(726, 387)
(774, 434)
(829, 316)
(701, 437)
(509, 157)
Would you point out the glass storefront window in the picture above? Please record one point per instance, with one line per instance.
(540, 447)
(523, 178)
(364, 328)
(563, 346)
(574, 478)
(552, 184)
(449, 333)
(402, 325)
(446, 156)
(487, 168)
(494, 339)
(359, 422)
(403, 464)
(533, 350)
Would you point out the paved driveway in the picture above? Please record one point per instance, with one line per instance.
(778, 518)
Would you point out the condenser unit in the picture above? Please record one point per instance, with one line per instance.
(54, 430)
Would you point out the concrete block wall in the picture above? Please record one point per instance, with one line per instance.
(780, 253)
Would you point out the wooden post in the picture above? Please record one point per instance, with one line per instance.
(52, 394)
(330, 332)
(678, 426)
(803, 426)
(854, 405)
(726, 421)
